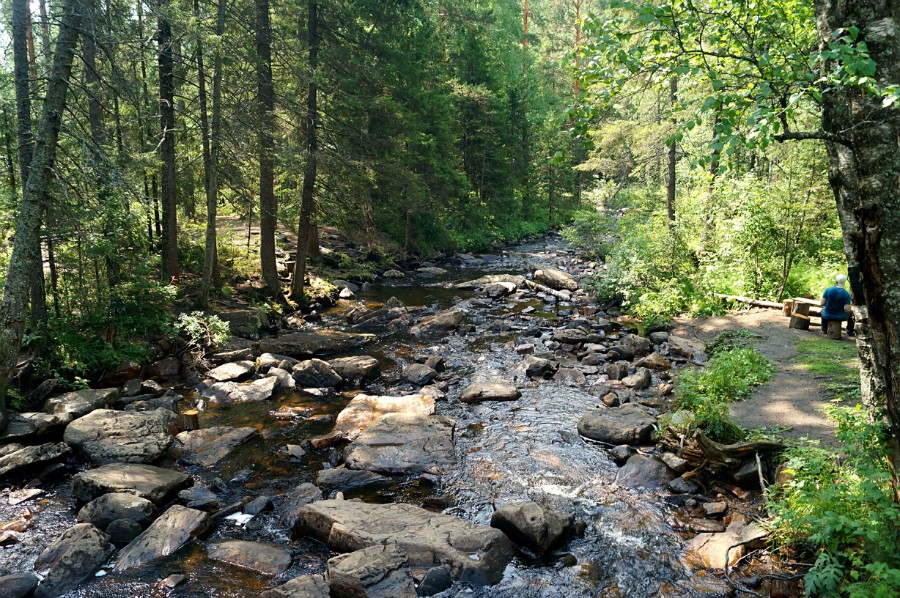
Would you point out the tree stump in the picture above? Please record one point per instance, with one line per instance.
(188, 421)
(788, 307)
(800, 316)
(834, 330)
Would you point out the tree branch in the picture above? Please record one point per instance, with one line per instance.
(802, 135)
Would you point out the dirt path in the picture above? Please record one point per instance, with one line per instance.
(794, 397)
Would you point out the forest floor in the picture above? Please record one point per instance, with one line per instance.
(807, 365)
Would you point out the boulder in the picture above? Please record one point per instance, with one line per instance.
(437, 363)
(273, 360)
(644, 472)
(685, 347)
(108, 436)
(488, 279)
(390, 314)
(268, 559)
(315, 373)
(675, 463)
(364, 410)
(628, 424)
(341, 478)
(570, 336)
(345, 284)
(285, 378)
(231, 371)
(171, 531)
(418, 374)
(616, 371)
(538, 367)
(393, 273)
(74, 404)
(431, 271)
(153, 483)
(556, 279)
(654, 361)
(32, 426)
(357, 369)
(658, 338)
(473, 553)
(122, 531)
(305, 586)
(239, 392)
(18, 585)
(245, 322)
(167, 367)
(531, 525)
(496, 290)
(638, 344)
(117, 505)
(489, 391)
(29, 458)
(229, 356)
(709, 550)
(376, 571)
(570, 377)
(208, 446)
(440, 323)
(400, 443)
(288, 506)
(70, 559)
(199, 497)
(321, 342)
(639, 380)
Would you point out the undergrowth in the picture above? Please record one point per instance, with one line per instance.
(703, 396)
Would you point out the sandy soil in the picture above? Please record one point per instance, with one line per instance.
(794, 397)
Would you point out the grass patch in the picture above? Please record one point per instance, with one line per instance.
(836, 364)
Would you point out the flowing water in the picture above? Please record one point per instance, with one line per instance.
(506, 452)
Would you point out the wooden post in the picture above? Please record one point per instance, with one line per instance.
(800, 316)
(188, 420)
(788, 307)
(834, 330)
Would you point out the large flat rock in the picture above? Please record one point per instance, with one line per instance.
(473, 553)
(32, 426)
(109, 436)
(208, 446)
(556, 279)
(401, 443)
(320, 342)
(371, 572)
(70, 559)
(171, 531)
(364, 410)
(239, 392)
(356, 369)
(489, 391)
(29, 457)
(231, 371)
(153, 483)
(117, 505)
(440, 323)
(628, 424)
(305, 586)
(268, 559)
(73, 405)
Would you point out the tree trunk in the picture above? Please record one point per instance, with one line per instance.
(211, 153)
(21, 265)
(10, 160)
(268, 208)
(672, 158)
(863, 174)
(45, 33)
(309, 171)
(167, 146)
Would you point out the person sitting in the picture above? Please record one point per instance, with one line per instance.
(836, 305)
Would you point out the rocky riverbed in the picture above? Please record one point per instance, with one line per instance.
(475, 426)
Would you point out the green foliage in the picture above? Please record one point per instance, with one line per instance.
(201, 330)
(703, 396)
(841, 508)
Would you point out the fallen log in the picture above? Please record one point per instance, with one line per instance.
(786, 306)
(752, 302)
(732, 455)
(535, 286)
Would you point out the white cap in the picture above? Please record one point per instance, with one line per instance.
(840, 279)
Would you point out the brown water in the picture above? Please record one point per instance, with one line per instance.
(524, 450)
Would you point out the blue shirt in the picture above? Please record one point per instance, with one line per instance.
(835, 300)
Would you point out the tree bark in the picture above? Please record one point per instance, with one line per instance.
(268, 208)
(309, 170)
(167, 146)
(863, 174)
(21, 265)
(211, 153)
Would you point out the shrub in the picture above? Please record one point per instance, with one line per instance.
(841, 508)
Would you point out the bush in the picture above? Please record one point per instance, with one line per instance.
(703, 395)
(841, 508)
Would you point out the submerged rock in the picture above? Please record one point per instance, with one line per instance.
(628, 424)
(400, 443)
(208, 446)
(71, 558)
(305, 586)
(474, 554)
(529, 524)
(418, 374)
(341, 478)
(268, 559)
(108, 436)
(489, 391)
(538, 367)
(153, 483)
(166, 535)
